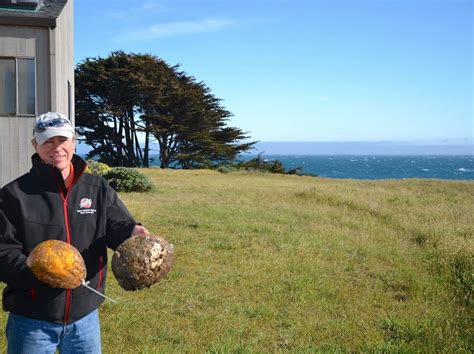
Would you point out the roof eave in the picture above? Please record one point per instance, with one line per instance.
(29, 22)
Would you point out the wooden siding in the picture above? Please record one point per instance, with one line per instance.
(53, 50)
(64, 61)
(15, 147)
(16, 131)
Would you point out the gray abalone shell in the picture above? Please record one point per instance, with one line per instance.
(141, 261)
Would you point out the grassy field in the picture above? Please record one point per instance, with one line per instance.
(276, 263)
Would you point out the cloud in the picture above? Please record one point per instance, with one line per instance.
(172, 29)
(116, 15)
(152, 6)
(147, 7)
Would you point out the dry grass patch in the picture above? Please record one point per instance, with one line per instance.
(269, 263)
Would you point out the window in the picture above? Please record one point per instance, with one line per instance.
(7, 86)
(17, 86)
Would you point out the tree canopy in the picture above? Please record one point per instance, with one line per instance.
(125, 102)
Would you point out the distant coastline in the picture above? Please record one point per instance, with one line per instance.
(365, 148)
(438, 148)
(361, 160)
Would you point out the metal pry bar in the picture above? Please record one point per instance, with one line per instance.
(86, 284)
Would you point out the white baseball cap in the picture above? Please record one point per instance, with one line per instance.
(52, 124)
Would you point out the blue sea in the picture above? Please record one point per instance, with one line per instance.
(454, 167)
(379, 166)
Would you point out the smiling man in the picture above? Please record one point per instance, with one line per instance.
(54, 141)
(57, 200)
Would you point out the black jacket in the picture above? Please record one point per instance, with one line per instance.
(37, 207)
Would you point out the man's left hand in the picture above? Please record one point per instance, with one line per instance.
(140, 230)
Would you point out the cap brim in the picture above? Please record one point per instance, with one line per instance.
(51, 132)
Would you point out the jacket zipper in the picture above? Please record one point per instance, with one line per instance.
(67, 308)
(101, 264)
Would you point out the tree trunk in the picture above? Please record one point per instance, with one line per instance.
(130, 158)
(164, 152)
(146, 160)
(119, 157)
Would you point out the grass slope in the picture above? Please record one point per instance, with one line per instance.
(269, 263)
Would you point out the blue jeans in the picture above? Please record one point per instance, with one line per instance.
(26, 335)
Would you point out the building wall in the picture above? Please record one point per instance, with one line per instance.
(63, 62)
(54, 53)
(16, 131)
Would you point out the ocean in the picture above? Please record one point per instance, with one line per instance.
(373, 166)
(378, 166)
(365, 160)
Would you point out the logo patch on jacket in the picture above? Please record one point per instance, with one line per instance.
(85, 206)
(85, 203)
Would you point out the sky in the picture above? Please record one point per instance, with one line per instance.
(308, 70)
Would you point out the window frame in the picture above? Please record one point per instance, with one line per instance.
(17, 114)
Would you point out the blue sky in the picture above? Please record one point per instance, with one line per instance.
(308, 70)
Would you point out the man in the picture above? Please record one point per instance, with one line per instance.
(57, 200)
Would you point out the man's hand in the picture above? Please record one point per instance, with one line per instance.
(140, 230)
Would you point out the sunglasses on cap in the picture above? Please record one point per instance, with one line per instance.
(56, 122)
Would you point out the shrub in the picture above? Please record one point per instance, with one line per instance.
(124, 179)
(296, 171)
(97, 168)
(227, 168)
(260, 164)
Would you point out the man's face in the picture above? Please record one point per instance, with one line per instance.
(56, 151)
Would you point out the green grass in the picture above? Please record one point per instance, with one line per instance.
(273, 263)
